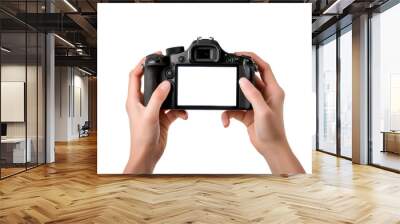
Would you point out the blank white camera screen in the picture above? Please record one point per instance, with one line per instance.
(206, 86)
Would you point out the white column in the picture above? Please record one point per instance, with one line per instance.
(50, 99)
(50, 92)
(360, 90)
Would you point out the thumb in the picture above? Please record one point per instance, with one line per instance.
(253, 95)
(158, 97)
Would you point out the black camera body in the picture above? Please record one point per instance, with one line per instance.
(201, 53)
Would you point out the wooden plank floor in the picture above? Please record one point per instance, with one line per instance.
(70, 191)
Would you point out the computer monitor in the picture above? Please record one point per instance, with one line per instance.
(3, 129)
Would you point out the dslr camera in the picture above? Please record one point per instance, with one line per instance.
(202, 77)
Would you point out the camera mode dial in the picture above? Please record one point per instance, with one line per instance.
(174, 50)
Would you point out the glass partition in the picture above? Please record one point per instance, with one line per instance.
(31, 99)
(22, 77)
(14, 153)
(327, 96)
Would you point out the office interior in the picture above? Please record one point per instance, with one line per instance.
(48, 83)
(49, 92)
(376, 40)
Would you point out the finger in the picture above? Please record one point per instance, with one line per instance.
(158, 97)
(135, 82)
(238, 115)
(259, 84)
(265, 69)
(253, 95)
(172, 115)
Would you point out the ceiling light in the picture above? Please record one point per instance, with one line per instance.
(5, 50)
(70, 5)
(79, 51)
(84, 71)
(65, 41)
(337, 7)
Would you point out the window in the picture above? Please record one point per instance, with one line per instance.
(385, 89)
(346, 93)
(327, 96)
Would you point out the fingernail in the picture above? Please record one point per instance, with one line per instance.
(225, 124)
(165, 85)
(243, 81)
(224, 121)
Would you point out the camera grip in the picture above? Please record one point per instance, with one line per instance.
(246, 70)
(151, 81)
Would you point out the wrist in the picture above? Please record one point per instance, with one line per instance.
(138, 167)
(140, 163)
(281, 159)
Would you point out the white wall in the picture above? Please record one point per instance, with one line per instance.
(16, 73)
(80, 83)
(201, 144)
(70, 83)
(62, 81)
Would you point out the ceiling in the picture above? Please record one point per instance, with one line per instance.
(76, 21)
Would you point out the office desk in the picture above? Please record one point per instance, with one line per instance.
(391, 141)
(13, 150)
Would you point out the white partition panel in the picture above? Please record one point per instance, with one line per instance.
(12, 101)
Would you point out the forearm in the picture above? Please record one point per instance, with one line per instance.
(138, 164)
(281, 160)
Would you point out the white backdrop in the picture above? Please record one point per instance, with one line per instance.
(279, 33)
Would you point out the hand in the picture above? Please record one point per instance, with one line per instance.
(265, 122)
(148, 125)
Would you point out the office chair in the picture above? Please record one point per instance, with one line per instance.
(84, 130)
